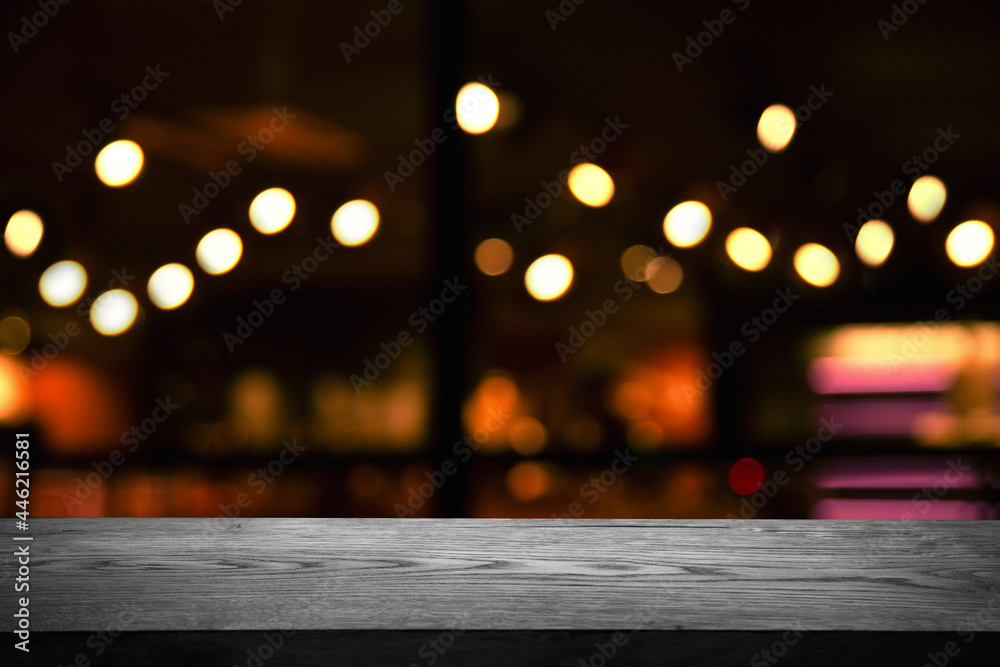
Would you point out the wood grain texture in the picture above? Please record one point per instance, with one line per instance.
(355, 574)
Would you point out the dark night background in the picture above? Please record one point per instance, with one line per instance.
(495, 346)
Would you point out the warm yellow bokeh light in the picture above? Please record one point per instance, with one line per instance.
(23, 233)
(63, 283)
(272, 210)
(817, 265)
(874, 242)
(591, 185)
(119, 163)
(170, 286)
(355, 222)
(748, 248)
(549, 277)
(926, 199)
(634, 262)
(113, 312)
(776, 128)
(970, 243)
(219, 251)
(494, 256)
(476, 108)
(687, 224)
(665, 275)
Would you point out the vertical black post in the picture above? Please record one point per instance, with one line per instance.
(449, 246)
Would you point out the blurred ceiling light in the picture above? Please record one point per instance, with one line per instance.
(634, 262)
(665, 275)
(970, 243)
(113, 312)
(817, 265)
(776, 128)
(24, 233)
(272, 210)
(476, 108)
(119, 163)
(494, 256)
(170, 286)
(748, 248)
(591, 185)
(926, 199)
(15, 334)
(527, 435)
(63, 283)
(687, 224)
(355, 222)
(219, 251)
(549, 277)
(874, 242)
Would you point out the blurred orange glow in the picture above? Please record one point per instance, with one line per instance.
(494, 256)
(78, 409)
(65, 493)
(496, 394)
(528, 481)
(14, 400)
(256, 403)
(664, 393)
(527, 435)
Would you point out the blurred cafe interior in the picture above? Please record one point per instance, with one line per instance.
(726, 259)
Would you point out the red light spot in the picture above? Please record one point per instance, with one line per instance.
(746, 476)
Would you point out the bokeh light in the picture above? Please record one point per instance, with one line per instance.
(970, 243)
(874, 242)
(591, 185)
(748, 248)
(272, 210)
(549, 277)
(113, 312)
(926, 199)
(746, 476)
(686, 224)
(170, 286)
(15, 334)
(528, 480)
(776, 128)
(634, 262)
(816, 264)
(23, 233)
(63, 283)
(119, 163)
(527, 435)
(494, 256)
(665, 275)
(219, 251)
(355, 222)
(14, 400)
(476, 108)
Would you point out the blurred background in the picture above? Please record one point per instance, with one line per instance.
(501, 259)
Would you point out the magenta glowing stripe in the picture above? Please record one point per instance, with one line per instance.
(936, 474)
(878, 417)
(901, 510)
(874, 375)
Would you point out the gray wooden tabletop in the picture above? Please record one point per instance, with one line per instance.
(347, 574)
